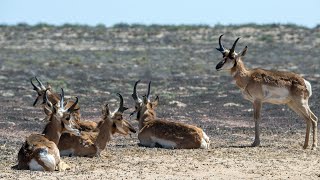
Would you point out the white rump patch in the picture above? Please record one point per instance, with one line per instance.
(48, 160)
(35, 166)
(205, 142)
(308, 85)
(163, 142)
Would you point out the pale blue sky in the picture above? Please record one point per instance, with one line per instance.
(211, 12)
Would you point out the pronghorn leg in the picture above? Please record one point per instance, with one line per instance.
(304, 111)
(256, 115)
(314, 121)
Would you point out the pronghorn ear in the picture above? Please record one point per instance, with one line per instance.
(105, 110)
(243, 52)
(155, 102)
(49, 86)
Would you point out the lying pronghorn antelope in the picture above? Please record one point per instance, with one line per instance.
(55, 98)
(161, 133)
(276, 87)
(90, 144)
(40, 151)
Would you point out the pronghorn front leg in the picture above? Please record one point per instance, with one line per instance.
(256, 116)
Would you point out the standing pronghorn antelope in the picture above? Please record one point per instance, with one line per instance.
(276, 87)
(90, 144)
(40, 151)
(55, 98)
(161, 133)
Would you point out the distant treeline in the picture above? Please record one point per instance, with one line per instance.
(157, 26)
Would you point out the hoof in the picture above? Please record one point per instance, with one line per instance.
(255, 144)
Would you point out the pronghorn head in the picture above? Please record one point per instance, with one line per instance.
(40, 89)
(147, 105)
(58, 112)
(229, 56)
(119, 124)
(138, 101)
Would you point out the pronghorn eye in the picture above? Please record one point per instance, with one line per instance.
(68, 118)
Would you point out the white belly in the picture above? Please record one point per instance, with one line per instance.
(163, 142)
(67, 152)
(275, 95)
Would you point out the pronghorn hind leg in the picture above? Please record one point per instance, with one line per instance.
(304, 112)
(257, 110)
(314, 129)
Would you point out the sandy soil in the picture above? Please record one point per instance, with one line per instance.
(94, 64)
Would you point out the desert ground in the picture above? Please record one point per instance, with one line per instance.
(95, 63)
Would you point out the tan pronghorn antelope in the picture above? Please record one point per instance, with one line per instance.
(154, 132)
(55, 98)
(90, 144)
(265, 86)
(40, 151)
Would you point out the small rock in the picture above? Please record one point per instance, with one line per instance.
(177, 103)
(8, 94)
(232, 104)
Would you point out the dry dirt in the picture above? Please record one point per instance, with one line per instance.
(94, 63)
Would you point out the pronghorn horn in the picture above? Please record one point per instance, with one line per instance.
(73, 105)
(34, 86)
(121, 107)
(234, 46)
(40, 83)
(221, 48)
(135, 94)
(62, 99)
(148, 94)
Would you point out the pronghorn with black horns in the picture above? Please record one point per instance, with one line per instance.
(154, 132)
(90, 144)
(40, 151)
(55, 98)
(265, 86)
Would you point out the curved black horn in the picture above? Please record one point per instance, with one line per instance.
(34, 86)
(135, 95)
(121, 107)
(73, 105)
(62, 99)
(234, 46)
(40, 83)
(221, 48)
(148, 93)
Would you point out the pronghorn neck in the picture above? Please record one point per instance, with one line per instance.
(148, 115)
(53, 130)
(104, 134)
(240, 74)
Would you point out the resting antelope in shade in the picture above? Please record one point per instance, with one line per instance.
(154, 132)
(40, 151)
(55, 98)
(264, 86)
(90, 144)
